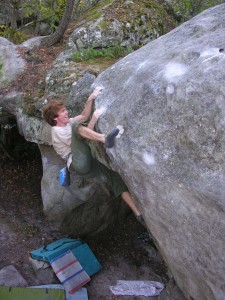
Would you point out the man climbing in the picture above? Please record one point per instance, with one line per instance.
(69, 141)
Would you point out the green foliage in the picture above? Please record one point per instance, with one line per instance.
(1, 69)
(29, 103)
(111, 52)
(84, 5)
(50, 9)
(186, 9)
(93, 15)
(2, 28)
(95, 12)
(17, 37)
(103, 24)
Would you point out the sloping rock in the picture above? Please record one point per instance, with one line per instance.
(57, 200)
(11, 63)
(11, 66)
(93, 36)
(11, 102)
(9, 276)
(33, 129)
(86, 207)
(169, 96)
(31, 43)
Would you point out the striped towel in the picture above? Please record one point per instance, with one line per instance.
(69, 271)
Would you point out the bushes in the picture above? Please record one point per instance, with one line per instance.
(17, 37)
(111, 52)
(186, 9)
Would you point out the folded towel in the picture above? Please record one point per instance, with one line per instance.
(69, 271)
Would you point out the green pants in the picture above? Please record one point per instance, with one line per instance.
(88, 167)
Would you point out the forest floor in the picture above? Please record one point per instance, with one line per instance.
(125, 254)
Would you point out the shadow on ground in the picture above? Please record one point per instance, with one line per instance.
(126, 252)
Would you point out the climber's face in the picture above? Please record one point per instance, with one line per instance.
(62, 119)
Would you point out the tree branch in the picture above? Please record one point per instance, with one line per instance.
(33, 22)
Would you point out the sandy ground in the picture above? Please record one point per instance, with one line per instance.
(126, 252)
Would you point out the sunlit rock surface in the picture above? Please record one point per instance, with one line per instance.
(170, 98)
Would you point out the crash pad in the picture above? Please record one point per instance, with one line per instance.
(20, 293)
(81, 294)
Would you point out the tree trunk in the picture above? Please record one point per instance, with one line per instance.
(58, 34)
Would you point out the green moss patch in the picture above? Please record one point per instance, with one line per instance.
(133, 14)
(87, 55)
(1, 70)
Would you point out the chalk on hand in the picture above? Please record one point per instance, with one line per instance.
(121, 131)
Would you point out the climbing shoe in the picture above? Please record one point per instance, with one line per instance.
(109, 143)
(141, 220)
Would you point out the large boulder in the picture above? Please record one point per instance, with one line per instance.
(86, 207)
(12, 65)
(121, 23)
(170, 98)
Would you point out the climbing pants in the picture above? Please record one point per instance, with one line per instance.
(88, 167)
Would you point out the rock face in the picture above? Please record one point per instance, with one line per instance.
(13, 63)
(87, 207)
(170, 98)
(124, 23)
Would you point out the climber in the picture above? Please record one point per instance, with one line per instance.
(69, 141)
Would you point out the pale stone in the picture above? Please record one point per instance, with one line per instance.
(170, 98)
(9, 276)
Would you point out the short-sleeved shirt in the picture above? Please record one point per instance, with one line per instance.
(61, 141)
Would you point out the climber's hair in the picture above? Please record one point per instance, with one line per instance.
(50, 111)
